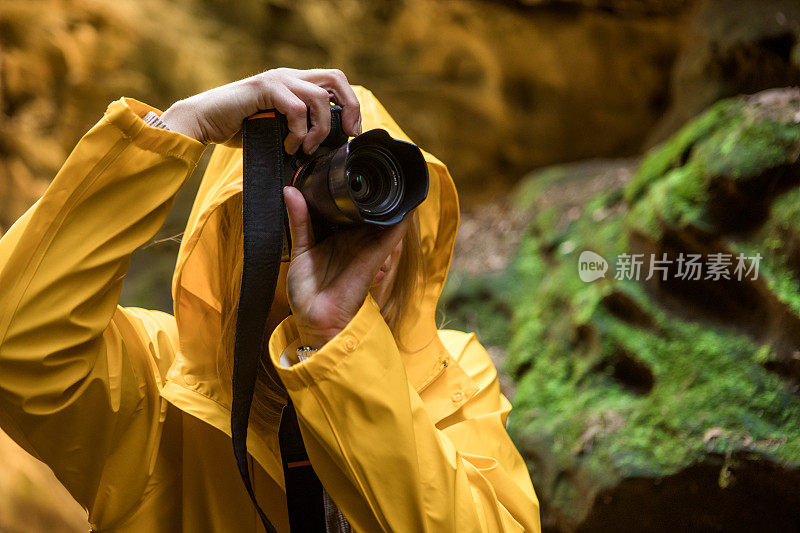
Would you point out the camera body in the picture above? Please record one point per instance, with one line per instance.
(371, 179)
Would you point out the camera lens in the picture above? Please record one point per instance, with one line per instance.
(374, 180)
(359, 186)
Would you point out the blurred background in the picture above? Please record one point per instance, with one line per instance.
(617, 126)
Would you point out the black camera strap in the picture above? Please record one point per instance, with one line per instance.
(263, 225)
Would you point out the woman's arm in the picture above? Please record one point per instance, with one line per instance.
(387, 464)
(79, 376)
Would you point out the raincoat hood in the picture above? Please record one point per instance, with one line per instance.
(127, 407)
(199, 280)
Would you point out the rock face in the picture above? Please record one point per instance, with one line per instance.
(62, 62)
(619, 7)
(734, 191)
(731, 47)
(494, 88)
(668, 403)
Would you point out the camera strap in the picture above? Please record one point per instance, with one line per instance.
(263, 225)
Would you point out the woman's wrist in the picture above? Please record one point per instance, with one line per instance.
(314, 339)
(182, 118)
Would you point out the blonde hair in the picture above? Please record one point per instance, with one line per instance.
(270, 394)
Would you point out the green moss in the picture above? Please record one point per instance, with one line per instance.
(745, 149)
(677, 200)
(675, 184)
(781, 280)
(710, 392)
(706, 381)
(670, 154)
(778, 244)
(479, 304)
(610, 384)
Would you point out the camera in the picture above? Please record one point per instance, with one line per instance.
(371, 179)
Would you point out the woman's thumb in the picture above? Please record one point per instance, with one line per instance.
(299, 221)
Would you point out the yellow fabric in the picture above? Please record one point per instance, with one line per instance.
(126, 405)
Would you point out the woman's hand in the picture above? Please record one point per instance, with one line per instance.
(216, 115)
(328, 282)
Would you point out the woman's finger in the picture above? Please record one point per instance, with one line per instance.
(335, 82)
(299, 221)
(373, 247)
(388, 238)
(235, 141)
(318, 101)
(296, 115)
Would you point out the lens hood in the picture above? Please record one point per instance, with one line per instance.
(372, 179)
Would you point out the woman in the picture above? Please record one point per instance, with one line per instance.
(403, 424)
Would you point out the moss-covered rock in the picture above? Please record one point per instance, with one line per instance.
(727, 184)
(622, 383)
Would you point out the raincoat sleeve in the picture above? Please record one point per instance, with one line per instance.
(372, 440)
(79, 375)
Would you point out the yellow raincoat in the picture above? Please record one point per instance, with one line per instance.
(125, 404)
